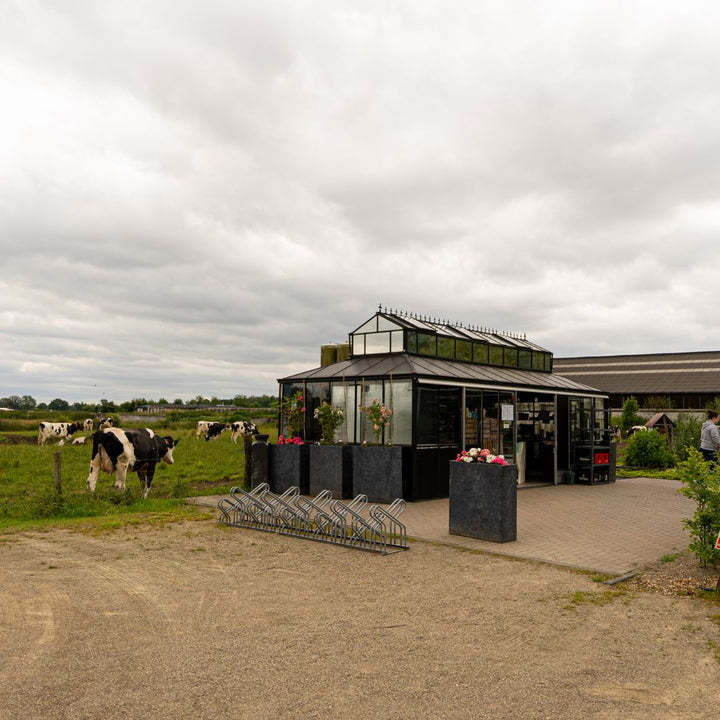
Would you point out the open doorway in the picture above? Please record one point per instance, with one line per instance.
(537, 436)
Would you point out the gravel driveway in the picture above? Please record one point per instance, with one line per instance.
(197, 620)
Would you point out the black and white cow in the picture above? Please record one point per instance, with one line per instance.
(116, 451)
(214, 429)
(88, 425)
(58, 431)
(242, 427)
(202, 427)
(106, 422)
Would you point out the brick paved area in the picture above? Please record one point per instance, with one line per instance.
(612, 529)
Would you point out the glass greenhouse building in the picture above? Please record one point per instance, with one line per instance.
(452, 387)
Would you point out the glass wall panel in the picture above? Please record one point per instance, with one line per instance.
(496, 355)
(449, 416)
(315, 393)
(396, 341)
(427, 344)
(357, 344)
(370, 392)
(480, 353)
(369, 326)
(507, 425)
(399, 399)
(473, 414)
(525, 359)
(427, 421)
(511, 357)
(412, 342)
(538, 361)
(446, 347)
(377, 343)
(490, 422)
(463, 350)
(385, 324)
(343, 397)
(288, 390)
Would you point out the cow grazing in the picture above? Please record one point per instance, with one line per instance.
(88, 425)
(57, 431)
(80, 440)
(242, 427)
(104, 423)
(215, 429)
(202, 427)
(116, 451)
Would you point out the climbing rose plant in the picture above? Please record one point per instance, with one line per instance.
(378, 417)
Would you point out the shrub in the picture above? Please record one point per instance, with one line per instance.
(648, 449)
(686, 435)
(701, 483)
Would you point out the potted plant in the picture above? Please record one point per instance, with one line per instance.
(288, 465)
(330, 464)
(483, 496)
(378, 470)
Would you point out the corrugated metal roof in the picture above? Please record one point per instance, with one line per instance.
(655, 374)
(414, 366)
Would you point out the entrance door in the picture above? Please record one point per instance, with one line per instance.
(536, 429)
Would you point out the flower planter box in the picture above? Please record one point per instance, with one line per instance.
(288, 466)
(483, 501)
(378, 472)
(331, 469)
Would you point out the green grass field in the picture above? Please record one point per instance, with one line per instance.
(27, 475)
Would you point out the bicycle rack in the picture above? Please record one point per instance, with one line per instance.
(320, 518)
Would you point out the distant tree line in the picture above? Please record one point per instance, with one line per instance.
(27, 402)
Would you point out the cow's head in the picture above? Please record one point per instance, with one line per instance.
(169, 444)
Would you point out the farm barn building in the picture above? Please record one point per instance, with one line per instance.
(690, 380)
(451, 387)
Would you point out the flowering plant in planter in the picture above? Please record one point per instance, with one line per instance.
(330, 418)
(378, 416)
(481, 456)
(293, 408)
(290, 441)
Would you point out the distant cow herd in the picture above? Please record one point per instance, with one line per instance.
(118, 451)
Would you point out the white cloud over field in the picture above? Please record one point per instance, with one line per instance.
(195, 196)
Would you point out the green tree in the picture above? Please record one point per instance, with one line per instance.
(630, 416)
(58, 404)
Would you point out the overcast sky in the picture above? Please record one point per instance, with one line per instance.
(194, 196)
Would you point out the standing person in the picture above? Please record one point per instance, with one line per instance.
(710, 437)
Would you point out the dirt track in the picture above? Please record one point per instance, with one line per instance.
(195, 620)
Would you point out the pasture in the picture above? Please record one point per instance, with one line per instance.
(27, 472)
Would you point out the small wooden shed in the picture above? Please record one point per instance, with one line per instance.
(662, 423)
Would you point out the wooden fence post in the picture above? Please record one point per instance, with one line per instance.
(247, 447)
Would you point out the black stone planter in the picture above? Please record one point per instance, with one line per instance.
(288, 466)
(378, 472)
(331, 469)
(483, 501)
